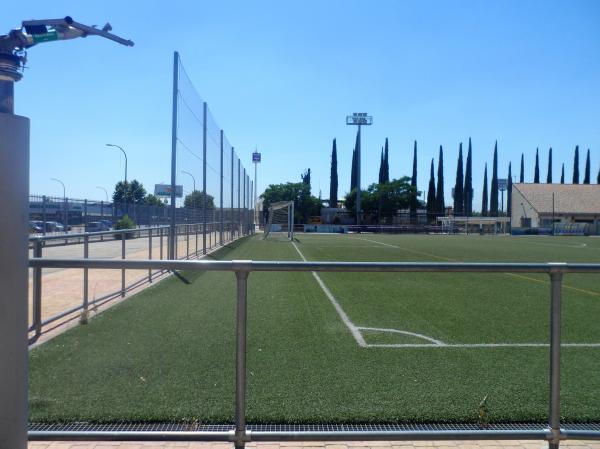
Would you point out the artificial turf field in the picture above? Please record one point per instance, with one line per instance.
(412, 347)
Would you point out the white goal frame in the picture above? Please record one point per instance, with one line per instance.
(289, 205)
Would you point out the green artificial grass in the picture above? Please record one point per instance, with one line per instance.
(167, 354)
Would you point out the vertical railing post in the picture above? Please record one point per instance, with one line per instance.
(150, 253)
(240, 365)
(37, 290)
(187, 240)
(123, 236)
(86, 254)
(555, 323)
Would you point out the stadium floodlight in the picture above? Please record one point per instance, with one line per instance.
(358, 119)
(13, 46)
(280, 222)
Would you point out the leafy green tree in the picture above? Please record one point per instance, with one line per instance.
(458, 186)
(152, 200)
(509, 191)
(536, 172)
(414, 202)
(439, 191)
(468, 189)
(587, 174)
(383, 199)
(576, 166)
(549, 176)
(333, 186)
(494, 187)
(305, 204)
(131, 192)
(484, 199)
(431, 196)
(195, 200)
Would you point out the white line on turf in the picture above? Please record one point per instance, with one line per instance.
(349, 324)
(356, 330)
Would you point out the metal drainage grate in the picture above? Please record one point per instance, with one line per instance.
(195, 427)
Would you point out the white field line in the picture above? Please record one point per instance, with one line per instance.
(349, 324)
(356, 330)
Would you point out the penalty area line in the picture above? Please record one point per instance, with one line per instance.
(345, 319)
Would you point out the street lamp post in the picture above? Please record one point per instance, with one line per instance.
(358, 119)
(193, 179)
(66, 211)
(105, 192)
(124, 154)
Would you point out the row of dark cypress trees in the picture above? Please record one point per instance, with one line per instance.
(463, 187)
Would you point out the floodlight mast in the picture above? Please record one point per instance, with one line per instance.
(358, 119)
(13, 46)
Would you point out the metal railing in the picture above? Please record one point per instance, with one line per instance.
(214, 237)
(241, 435)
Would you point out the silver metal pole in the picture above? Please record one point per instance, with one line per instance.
(221, 190)
(86, 255)
(37, 291)
(204, 203)
(231, 207)
(123, 236)
(187, 241)
(239, 208)
(44, 200)
(255, 189)
(7, 96)
(358, 178)
(14, 183)
(243, 217)
(555, 318)
(172, 234)
(161, 242)
(240, 365)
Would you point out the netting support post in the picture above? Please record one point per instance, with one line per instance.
(231, 207)
(221, 194)
(239, 209)
(172, 233)
(555, 323)
(204, 202)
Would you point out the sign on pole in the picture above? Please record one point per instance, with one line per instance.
(502, 184)
(256, 157)
(165, 190)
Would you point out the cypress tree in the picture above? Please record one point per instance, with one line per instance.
(536, 173)
(509, 190)
(333, 185)
(468, 189)
(380, 178)
(439, 191)
(386, 163)
(431, 202)
(353, 172)
(587, 174)
(549, 177)
(494, 186)
(562, 174)
(598, 178)
(458, 187)
(484, 199)
(576, 166)
(522, 175)
(413, 183)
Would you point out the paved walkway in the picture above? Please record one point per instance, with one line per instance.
(520, 444)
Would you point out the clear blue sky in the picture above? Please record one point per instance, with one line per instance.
(283, 76)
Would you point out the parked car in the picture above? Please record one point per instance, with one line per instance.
(97, 226)
(36, 227)
(54, 226)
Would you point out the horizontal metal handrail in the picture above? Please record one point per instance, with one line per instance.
(378, 267)
(241, 435)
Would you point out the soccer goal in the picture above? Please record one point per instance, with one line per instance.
(280, 221)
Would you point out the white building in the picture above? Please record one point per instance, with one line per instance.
(558, 206)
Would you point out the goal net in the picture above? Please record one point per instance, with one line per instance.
(280, 221)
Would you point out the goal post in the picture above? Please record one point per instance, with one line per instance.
(280, 221)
